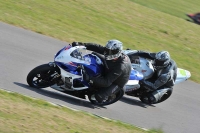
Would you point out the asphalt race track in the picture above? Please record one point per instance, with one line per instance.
(22, 50)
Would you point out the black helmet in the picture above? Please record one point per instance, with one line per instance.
(162, 59)
(113, 49)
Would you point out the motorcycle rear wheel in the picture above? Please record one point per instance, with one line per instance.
(40, 77)
(111, 99)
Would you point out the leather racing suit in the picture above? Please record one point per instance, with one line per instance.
(160, 85)
(116, 73)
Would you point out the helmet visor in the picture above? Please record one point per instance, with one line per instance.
(110, 52)
(159, 63)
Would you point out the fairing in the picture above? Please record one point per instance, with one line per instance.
(182, 75)
(135, 75)
(71, 58)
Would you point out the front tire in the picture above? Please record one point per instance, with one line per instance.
(40, 77)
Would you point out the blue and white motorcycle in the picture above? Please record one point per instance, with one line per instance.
(65, 74)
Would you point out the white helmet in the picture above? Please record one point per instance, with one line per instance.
(113, 49)
(162, 59)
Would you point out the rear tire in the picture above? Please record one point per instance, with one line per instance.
(40, 77)
(163, 98)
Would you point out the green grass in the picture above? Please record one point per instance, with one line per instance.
(20, 114)
(151, 25)
(178, 8)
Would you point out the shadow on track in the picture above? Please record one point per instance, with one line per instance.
(60, 96)
(134, 102)
(77, 101)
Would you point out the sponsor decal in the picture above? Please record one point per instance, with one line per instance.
(182, 72)
(72, 64)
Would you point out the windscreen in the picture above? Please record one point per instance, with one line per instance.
(80, 53)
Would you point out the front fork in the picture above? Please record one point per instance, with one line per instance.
(56, 77)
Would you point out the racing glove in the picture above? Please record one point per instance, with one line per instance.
(77, 44)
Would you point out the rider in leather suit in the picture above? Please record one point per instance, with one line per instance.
(160, 85)
(117, 68)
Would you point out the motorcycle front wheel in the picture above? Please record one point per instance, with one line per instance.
(40, 77)
(110, 100)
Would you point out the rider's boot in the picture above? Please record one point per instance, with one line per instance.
(104, 93)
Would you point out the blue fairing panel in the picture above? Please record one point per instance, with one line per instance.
(69, 67)
(94, 69)
(64, 48)
(135, 75)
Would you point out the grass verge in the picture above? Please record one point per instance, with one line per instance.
(20, 114)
